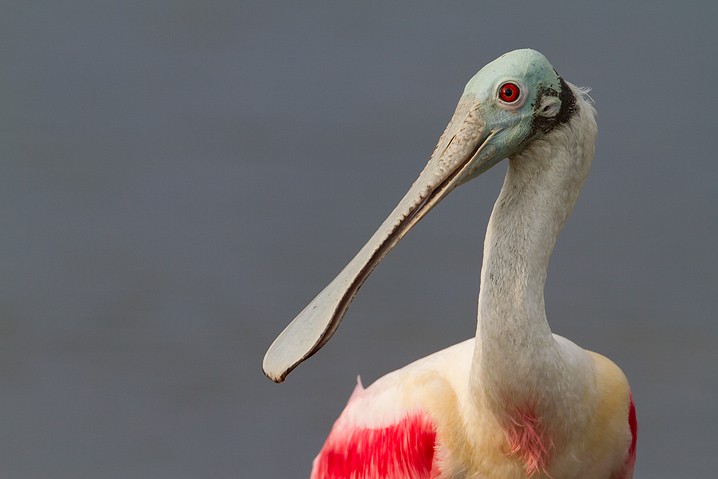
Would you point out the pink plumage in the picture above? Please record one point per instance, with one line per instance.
(406, 448)
(528, 442)
(633, 425)
(399, 451)
(627, 471)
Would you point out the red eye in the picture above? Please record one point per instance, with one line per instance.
(509, 92)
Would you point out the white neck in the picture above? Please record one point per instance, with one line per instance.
(517, 362)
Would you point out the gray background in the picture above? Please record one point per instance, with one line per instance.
(180, 178)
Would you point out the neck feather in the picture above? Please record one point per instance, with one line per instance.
(518, 365)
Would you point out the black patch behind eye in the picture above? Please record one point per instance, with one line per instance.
(568, 103)
(542, 124)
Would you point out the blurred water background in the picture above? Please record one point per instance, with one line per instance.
(179, 178)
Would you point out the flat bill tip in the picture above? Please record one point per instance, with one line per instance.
(275, 379)
(273, 373)
(297, 342)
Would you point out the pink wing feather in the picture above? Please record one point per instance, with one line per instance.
(627, 471)
(403, 449)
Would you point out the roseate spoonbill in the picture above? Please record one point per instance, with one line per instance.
(516, 401)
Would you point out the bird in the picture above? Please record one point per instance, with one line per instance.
(515, 401)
